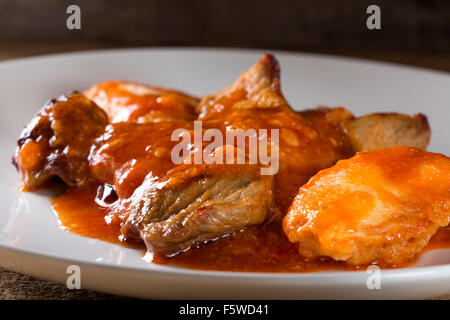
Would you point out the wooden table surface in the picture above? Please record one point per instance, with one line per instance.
(17, 286)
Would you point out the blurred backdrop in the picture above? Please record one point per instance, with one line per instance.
(412, 31)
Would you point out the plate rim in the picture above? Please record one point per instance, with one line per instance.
(192, 49)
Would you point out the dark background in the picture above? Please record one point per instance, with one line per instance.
(413, 31)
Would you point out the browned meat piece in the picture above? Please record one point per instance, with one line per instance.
(385, 130)
(256, 88)
(372, 131)
(196, 204)
(175, 206)
(57, 141)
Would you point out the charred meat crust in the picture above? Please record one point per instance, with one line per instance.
(258, 87)
(58, 140)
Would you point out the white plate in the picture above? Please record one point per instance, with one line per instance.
(31, 241)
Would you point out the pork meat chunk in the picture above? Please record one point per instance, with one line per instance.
(58, 140)
(385, 130)
(196, 204)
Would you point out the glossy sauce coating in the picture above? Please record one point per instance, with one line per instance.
(259, 249)
(384, 204)
(127, 152)
(126, 101)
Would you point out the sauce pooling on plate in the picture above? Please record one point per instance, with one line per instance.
(258, 249)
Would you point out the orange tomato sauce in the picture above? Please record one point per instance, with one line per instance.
(258, 249)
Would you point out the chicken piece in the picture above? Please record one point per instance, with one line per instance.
(58, 140)
(385, 130)
(194, 204)
(377, 206)
(128, 101)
